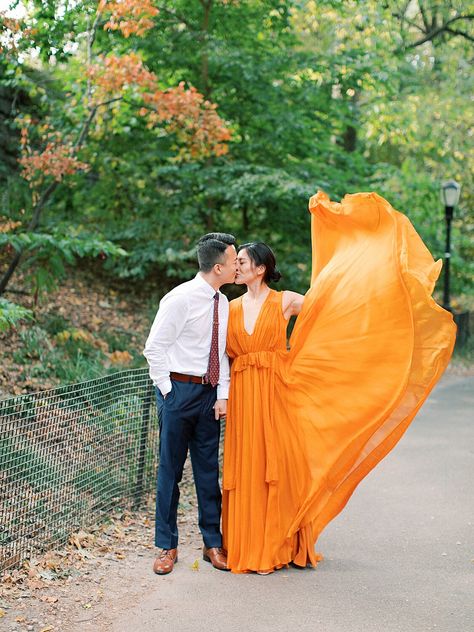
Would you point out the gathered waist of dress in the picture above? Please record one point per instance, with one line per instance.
(258, 359)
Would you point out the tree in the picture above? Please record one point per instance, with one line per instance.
(327, 94)
(113, 87)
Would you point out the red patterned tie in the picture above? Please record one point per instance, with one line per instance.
(213, 366)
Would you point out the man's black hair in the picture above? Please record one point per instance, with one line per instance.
(211, 249)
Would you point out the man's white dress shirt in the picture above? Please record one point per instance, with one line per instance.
(180, 337)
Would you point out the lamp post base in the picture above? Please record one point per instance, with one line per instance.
(462, 320)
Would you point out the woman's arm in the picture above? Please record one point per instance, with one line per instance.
(292, 303)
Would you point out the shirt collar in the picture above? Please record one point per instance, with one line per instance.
(205, 285)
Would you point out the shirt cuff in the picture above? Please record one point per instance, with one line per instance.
(165, 386)
(222, 392)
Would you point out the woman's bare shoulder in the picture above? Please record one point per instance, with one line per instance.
(291, 303)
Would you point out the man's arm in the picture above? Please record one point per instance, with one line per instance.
(224, 378)
(167, 326)
(220, 407)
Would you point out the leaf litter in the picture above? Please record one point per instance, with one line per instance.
(54, 591)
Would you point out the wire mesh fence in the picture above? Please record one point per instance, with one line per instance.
(71, 453)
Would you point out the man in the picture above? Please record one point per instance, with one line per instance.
(190, 370)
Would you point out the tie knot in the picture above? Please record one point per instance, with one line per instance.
(216, 296)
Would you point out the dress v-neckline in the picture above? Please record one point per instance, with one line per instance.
(258, 316)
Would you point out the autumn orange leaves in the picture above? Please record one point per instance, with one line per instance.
(56, 159)
(113, 79)
(131, 17)
(181, 110)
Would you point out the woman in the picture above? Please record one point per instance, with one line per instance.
(305, 425)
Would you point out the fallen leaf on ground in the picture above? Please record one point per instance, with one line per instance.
(81, 539)
(120, 357)
(47, 599)
(195, 565)
(35, 584)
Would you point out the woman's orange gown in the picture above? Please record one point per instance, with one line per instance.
(306, 425)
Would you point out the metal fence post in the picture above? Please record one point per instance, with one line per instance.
(147, 400)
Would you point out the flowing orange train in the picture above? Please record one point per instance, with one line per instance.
(306, 425)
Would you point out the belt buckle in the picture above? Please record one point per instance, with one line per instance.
(204, 379)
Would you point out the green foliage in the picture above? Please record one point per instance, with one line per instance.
(416, 194)
(332, 95)
(57, 350)
(55, 323)
(47, 254)
(11, 314)
(464, 354)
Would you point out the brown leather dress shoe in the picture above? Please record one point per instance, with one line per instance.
(165, 561)
(216, 556)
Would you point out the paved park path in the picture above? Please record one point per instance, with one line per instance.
(399, 558)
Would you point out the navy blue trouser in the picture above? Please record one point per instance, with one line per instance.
(186, 418)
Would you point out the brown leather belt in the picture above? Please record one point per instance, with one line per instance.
(195, 379)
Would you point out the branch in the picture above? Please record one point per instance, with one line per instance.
(85, 129)
(204, 49)
(91, 35)
(15, 99)
(415, 25)
(438, 30)
(40, 204)
(93, 31)
(466, 35)
(11, 269)
(460, 17)
(423, 16)
(402, 18)
(15, 291)
(401, 15)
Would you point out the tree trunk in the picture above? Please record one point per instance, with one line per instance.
(349, 139)
(206, 90)
(245, 219)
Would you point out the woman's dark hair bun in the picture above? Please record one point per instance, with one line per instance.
(262, 255)
(276, 276)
